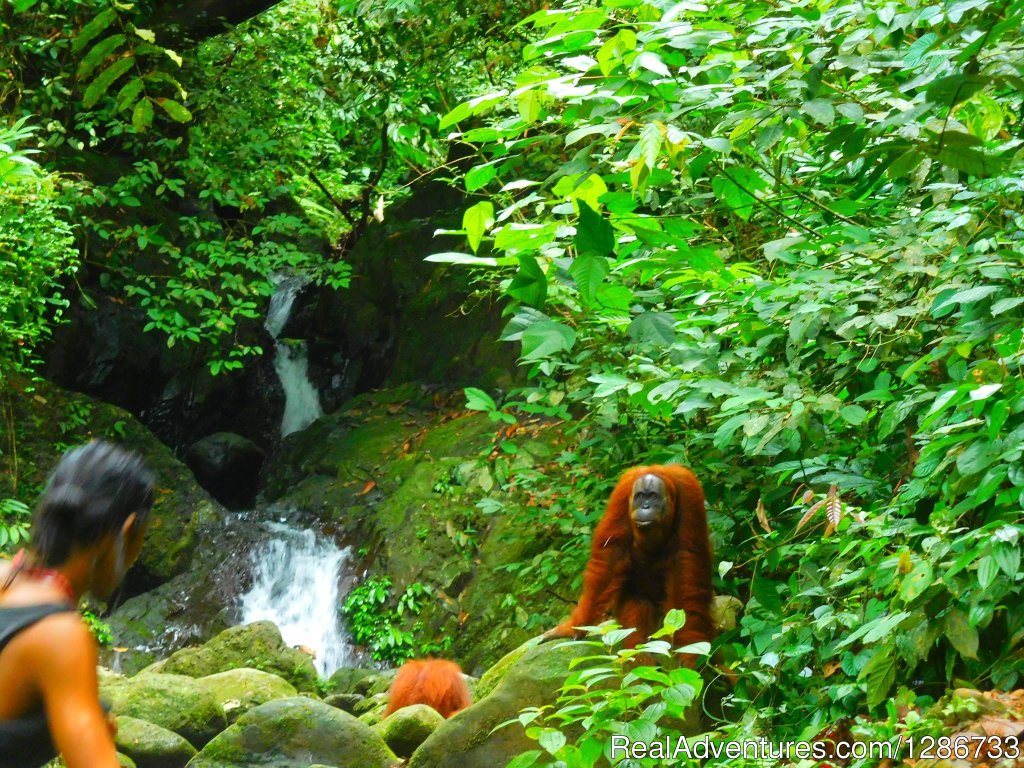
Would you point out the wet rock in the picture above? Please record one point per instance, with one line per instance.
(239, 690)
(228, 466)
(531, 677)
(50, 417)
(258, 646)
(346, 702)
(173, 702)
(347, 679)
(293, 733)
(405, 729)
(151, 746)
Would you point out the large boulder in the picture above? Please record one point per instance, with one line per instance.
(50, 419)
(151, 746)
(258, 646)
(403, 731)
(530, 677)
(294, 733)
(174, 702)
(228, 465)
(239, 690)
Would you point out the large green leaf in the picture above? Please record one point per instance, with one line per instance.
(530, 284)
(97, 54)
(105, 79)
(588, 270)
(544, 339)
(879, 674)
(593, 233)
(476, 221)
(93, 29)
(653, 328)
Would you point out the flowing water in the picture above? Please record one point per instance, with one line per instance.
(296, 578)
(301, 398)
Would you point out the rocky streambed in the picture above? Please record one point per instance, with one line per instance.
(246, 698)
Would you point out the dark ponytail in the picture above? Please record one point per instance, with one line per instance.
(90, 493)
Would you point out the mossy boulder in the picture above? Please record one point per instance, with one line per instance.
(173, 702)
(239, 690)
(404, 730)
(344, 701)
(257, 646)
(50, 418)
(531, 678)
(294, 733)
(347, 679)
(151, 746)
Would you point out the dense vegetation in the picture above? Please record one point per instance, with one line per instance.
(778, 241)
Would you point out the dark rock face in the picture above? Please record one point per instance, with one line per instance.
(228, 466)
(104, 352)
(52, 419)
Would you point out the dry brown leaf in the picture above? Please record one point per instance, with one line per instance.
(1002, 727)
(834, 507)
(762, 518)
(809, 514)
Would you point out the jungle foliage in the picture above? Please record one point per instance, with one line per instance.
(776, 240)
(781, 243)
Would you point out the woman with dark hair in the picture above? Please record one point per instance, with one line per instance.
(87, 531)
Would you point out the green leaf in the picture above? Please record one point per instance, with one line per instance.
(1009, 559)
(978, 456)
(129, 93)
(551, 740)
(916, 582)
(653, 328)
(462, 258)
(916, 52)
(853, 414)
(651, 61)
(479, 176)
(988, 569)
(92, 30)
(821, 110)
(478, 400)
(105, 79)
(588, 270)
(950, 91)
(530, 285)
(142, 115)
(971, 161)
(544, 339)
(735, 187)
(880, 674)
(98, 54)
(476, 221)
(962, 636)
(593, 233)
(176, 111)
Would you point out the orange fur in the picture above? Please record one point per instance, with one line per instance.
(637, 588)
(434, 682)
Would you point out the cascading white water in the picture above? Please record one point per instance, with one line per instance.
(295, 585)
(301, 398)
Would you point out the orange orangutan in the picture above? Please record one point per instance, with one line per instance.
(429, 681)
(650, 553)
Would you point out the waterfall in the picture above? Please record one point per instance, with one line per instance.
(301, 398)
(295, 585)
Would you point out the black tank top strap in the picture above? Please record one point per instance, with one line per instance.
(15, 619)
